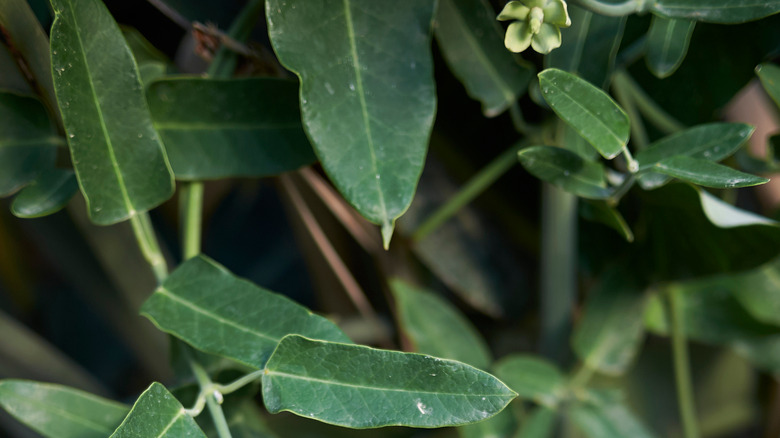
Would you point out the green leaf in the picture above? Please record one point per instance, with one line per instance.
(667, 44)
(143, 50)
(500, 425)
(715, 11)
(362, 387)
(706, 173)
(437, 328)
(225, 128)
(57, 411)
(539, 424)
(566, 170)
(589, 46)
(46, 195)
(711, 141)
(769, 74)
(11, 78)
(472, 44)
(725, 215)
(610, 332)
(158, 414)
(119, 160)
(603, 418)
(367, 94)
(202, 303)
(590, 111)
(602, 212)
(151, 71)
(533, 378)
(757, 290)
(27, 141)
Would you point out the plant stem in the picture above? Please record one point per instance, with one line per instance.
(240, 382)
(581, 377)
(191, 205)
(614, 10)
(211, 394)
(647, 106)
(682, 372)
(147, 242)
(625, 98)
(225, 60)
(473, 188)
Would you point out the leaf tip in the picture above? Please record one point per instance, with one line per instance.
(387, 233)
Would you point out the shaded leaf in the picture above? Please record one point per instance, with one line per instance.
(119, 160)
(533, 378)
(143, 50)
(667, 44)
(566, 170)
(499, 426)
(367, 94)
(590, 111)
(472, 44)
(361, 387)
(48, 194)
(151, 71)
(539, 424)
(716, 11)
(437, 328)
(158, 414)
(202, 303)
(606, 418)
(706, 173)
(601, 212)
(11, 78)
(769, 74)
(57, 411)
(214, 128)
(610, 332)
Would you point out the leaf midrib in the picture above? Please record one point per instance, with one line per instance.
(218, 126)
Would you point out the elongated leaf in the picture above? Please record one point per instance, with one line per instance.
(607, 419)
(716, 11)
(712, 141)
(361, 387)
(532, 378)
(667, 44)
(119, 160)
(539, 424)
(27, 141)
(706, 173)
(590, 111)
(226, 128)
(725, 215)
(437, 328)
(57, 411)
(566, 170)
(158, 414)
(602, 212)
(769, 74)
(610, 333)
(472, 44)
(46, 195)
(202, 303)
(589, 46)
(367, 94)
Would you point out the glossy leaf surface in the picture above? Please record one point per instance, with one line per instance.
(667, 44)
(211, 309)
(716, 11)
(472, 44)
(49, 193)
(437, 328)
(367, 94)
(566, 170)
(227, 128)
(27, 141)
(57, 411)
(706, 173)
(769, 74)
(532, 377)
(610, 333)
(361, 387)
(158, 414)
(119, 160)
(590, 111)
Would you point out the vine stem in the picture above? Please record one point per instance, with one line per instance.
(647, 106)
(212, 396)
(147, 242)
(682, 372)
(191, 204)
(612, 9)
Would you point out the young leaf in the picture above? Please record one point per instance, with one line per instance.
(27, 141)
(367, 94)
(590, 111)
(436, 327)
(46, 195)
(119, 160)
(158, 414)
(706, 173)
(362, 387)
(227, 128)
(57, 411)
(667, 44)
(610, 333)
(532, 378)
(769, 74)
(202, 303)
(603, 418)
(715, 11)
(472, 44)
(566, 170)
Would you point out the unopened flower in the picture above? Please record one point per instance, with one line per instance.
(538, 25)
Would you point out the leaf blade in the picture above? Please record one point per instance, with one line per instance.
(532, 378)
(716, 11)
(157, 414)
(46, 195)
(566, 170)
(667, 44)
(706, 173)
